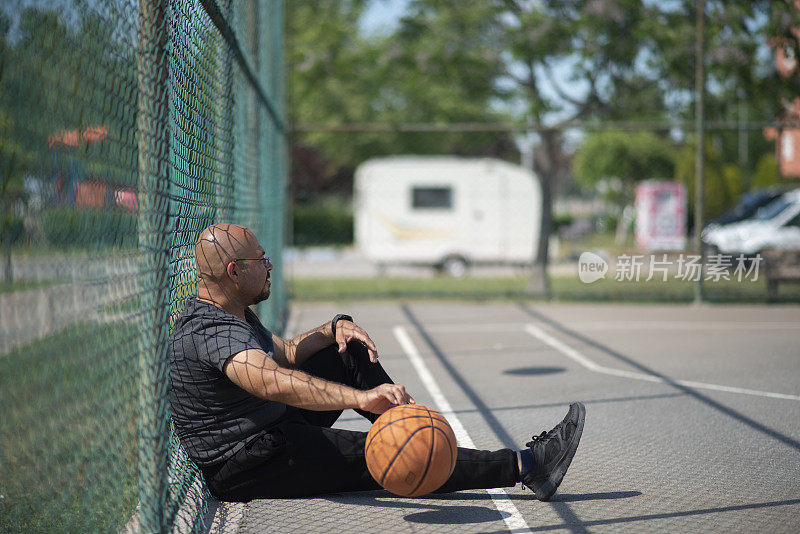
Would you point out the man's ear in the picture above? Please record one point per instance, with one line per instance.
(232, 271)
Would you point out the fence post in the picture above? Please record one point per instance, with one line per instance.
(699, 78)
(153, 142)
(252, 32)
(224, 127)
(280, 159)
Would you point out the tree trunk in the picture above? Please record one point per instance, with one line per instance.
(545, 165)
(625, 213)
(540, 282)
(9, 273)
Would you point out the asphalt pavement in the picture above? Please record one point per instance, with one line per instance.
(693, 416)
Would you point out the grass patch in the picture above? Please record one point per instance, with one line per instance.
(23, 285)
(571, 249)
(439, 286)
(565, 288)
(68, 431)
(673, 290)
(76, 251)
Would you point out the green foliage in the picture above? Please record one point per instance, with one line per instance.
(449, 61)
(12, 230)
(51, 78)
(561, 220)
(24, 285)
(606, 222)
(722, 183)
(767, 172)
(547, 62)
(440, 66)
(629, 156)
(322, 223)
(67, 227)
(564, 288)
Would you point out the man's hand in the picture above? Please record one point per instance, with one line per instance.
(383, 397)
(347, 331)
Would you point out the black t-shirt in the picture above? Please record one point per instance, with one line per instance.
(213, 416)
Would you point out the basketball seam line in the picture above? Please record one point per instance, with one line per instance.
(430, 454)
(395, 421)
(449, 447)
(398, 420)
(399, 450)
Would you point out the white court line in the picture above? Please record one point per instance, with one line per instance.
(576, 356)
(685, 325)
(624, 325)
(514, 520)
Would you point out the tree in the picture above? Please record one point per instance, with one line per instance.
(722, 182)
(55, 77)
(629, 157)
(58, 75)
(767, 172)
(629, 60)
(538, 37)
(556, 63)
(439, 67)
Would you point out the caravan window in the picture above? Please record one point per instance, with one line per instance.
(432, 198)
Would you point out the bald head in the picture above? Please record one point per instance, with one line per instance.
(218, 245)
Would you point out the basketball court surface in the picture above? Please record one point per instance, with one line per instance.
(692, 424)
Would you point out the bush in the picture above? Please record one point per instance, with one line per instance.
(12, 231)
(327, 223)
(767, 172)
(67, 227)
(562, 220)
(606, 223)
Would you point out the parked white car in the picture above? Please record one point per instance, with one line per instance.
(776, 225)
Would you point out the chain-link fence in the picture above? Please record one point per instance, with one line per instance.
(125, 129)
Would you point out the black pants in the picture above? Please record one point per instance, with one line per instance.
(300, 455)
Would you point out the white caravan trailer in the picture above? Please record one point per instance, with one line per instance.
(446, 211)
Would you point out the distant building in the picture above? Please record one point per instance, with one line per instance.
(787, 145)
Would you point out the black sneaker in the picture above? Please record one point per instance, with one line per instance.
(553, 452)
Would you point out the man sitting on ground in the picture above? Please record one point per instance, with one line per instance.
(255, 411)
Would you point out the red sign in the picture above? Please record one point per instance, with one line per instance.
(73, 138)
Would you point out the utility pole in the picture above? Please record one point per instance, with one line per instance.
(699, 79)
(742, 129)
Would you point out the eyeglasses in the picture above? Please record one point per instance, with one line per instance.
(265, 261)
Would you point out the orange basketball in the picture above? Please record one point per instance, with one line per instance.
(411, 450)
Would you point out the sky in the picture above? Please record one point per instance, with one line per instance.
(382, 16)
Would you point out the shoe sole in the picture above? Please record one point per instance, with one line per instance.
(549, 487)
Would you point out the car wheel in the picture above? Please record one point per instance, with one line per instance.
(455, 266)
(709, 250)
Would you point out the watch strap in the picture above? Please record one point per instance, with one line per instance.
(336, 319)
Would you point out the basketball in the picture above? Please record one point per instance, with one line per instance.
(411, 450)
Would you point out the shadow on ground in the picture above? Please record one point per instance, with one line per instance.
(452, 514)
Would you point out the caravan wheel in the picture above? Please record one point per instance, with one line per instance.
(454, 266)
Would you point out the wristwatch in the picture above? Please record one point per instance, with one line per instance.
(336, 319)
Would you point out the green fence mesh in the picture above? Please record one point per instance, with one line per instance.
(125, 129)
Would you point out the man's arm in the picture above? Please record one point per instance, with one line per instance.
(293, 352)
(254, 371)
